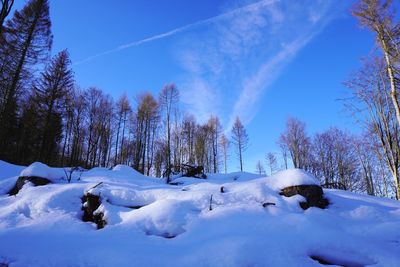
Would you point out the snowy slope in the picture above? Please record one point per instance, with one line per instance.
(174, 226)
(8, 170)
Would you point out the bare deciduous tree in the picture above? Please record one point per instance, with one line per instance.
(260, 168)
(296, 141)
(371, 90)
(169, 97)
(378, 16)
(6, 6)
(240, 140)
(272, 163)
(224, 141)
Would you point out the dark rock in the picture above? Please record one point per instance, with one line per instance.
(175, 183)
(36, 181)
(313, 194)
(164, 235)
(90, 204)
(266, 204)
(335, 260)
(135, 207)
(193, 171)
(321, 260)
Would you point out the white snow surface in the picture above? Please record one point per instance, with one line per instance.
(39, 169)
(150, 223)
(8, 170)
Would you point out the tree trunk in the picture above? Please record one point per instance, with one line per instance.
(390, 72)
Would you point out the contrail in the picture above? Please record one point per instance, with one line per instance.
(180, 29)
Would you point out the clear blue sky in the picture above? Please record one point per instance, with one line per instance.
(261, 60)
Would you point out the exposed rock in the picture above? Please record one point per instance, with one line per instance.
(193, 171)
(90, 204)
(336, 260)
(36, 181)
(266, 204)
(135, 207)
(313, 194)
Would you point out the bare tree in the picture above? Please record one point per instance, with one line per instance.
(260, 168)
(371, 90)
(240, 139)
(147, 117)
(6, 6)
(272, 163)
(188, 138)
(365, 156)
(215, 131)
(123, 108)
(224, 141)
(378, 16)
(296, 141)
(169, 97)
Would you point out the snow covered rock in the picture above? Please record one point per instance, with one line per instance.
(289, 178)
(123, 169)
(298, 182)
(36, 181)
(38, 174)
(38, 169)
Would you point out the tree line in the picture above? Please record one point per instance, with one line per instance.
(368, 162)
(353, 162)
(45, 116)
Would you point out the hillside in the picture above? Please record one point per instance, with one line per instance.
(237, 219)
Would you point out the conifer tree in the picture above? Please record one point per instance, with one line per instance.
(50, 91)
(27, 42)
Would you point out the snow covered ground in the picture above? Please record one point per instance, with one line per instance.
(150, 223)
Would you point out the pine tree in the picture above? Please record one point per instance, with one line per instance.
(27, 42)
(55, 83)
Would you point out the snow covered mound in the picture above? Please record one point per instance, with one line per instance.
(291, 178)
(226, 220)
(38, 169)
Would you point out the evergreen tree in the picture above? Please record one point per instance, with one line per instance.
(50, 91)
(27, 42)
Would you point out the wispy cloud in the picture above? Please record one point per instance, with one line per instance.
(172, 32)
(231, 64)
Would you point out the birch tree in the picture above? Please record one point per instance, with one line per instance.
(378, 17)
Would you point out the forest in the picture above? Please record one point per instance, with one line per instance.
(46, 116)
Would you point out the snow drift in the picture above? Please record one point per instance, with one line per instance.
(236, 219)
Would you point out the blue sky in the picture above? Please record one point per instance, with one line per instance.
(261, 60)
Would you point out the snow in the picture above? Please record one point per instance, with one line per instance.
(291, 178)
(150, 223)
(39, 169)
(8, 170)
